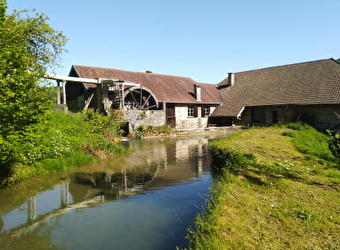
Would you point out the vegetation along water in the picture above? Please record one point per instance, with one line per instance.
(276, 188)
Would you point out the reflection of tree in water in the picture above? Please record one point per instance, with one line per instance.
(38, 238)
(1, 224)
(111, 185)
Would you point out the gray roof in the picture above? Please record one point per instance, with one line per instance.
(309, 83)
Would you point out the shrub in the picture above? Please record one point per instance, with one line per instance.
(109, 126)
(152, 130)
(334, 143)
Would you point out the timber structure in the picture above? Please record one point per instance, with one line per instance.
(106, 84)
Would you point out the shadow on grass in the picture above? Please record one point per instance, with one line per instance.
(246, 167)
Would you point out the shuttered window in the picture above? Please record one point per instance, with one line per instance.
(191, 111)
(205, 111)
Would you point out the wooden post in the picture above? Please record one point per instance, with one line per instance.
(123, 97)
(65, 108)
(141, 97)
(164, 113)
(64, 92)
(58, 92)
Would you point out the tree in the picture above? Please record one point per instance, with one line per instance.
(28, 48)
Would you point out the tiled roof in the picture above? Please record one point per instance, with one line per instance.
(309, 83)
(165, 87)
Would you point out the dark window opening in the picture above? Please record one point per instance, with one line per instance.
(274, 117)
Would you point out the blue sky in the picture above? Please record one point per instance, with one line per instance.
(200, 39)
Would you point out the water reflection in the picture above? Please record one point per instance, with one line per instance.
(36, 212)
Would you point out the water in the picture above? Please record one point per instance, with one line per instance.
(145, 200)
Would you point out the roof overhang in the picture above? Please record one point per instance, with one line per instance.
(195, 103)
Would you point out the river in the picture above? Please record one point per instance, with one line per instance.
(144, 200)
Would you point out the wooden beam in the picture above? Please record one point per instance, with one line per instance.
(88, 101)
(89, 80)
(72, 79)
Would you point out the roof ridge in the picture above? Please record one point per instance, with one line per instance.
(138, 72)
(285, 65)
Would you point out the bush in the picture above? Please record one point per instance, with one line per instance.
(109, 126)
(334, 143)
(152, 130)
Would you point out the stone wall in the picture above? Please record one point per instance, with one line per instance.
(145, 117)
(319, 116)
(157, 118)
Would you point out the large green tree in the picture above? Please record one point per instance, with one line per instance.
(29, 47)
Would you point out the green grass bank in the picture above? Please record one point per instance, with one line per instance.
(275, 188)
(59, 142)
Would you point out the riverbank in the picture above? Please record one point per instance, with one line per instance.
(166, 131)
(61, 141)
(279, 188)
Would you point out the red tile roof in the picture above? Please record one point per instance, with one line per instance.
(165, 87)
(309, 83)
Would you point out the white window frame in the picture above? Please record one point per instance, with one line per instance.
(191, 111)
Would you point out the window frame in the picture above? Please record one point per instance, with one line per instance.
(205, 111)
(191, 111)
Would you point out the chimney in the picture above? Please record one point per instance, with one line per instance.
(197, 92)
(231, 79)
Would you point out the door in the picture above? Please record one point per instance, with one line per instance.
(170, 115)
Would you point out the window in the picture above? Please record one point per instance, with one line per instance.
(205, 111)
(191, 111)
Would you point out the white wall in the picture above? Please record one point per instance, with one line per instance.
(185, 122)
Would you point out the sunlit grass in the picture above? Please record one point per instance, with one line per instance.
(279, 188)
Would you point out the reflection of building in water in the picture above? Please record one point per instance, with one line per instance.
(195, 147)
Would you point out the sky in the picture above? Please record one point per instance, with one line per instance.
(200, 39)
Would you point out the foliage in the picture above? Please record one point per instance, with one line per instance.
(29, 46)
(334, 143)
(152, 130)
(62, 141)
(271, 192)
(108, 125)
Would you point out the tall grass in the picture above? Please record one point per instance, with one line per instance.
(310, 141)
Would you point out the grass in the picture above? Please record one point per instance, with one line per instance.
(62, 141)
(277, 188)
